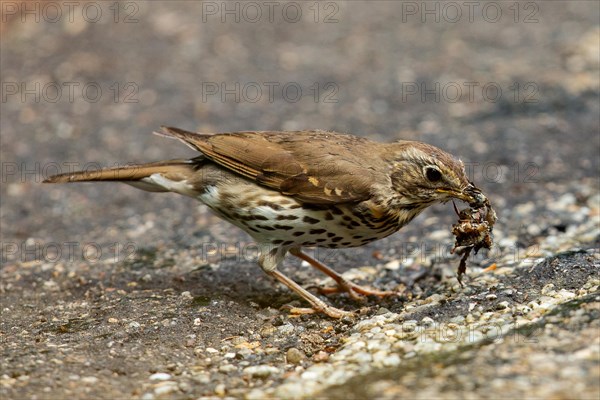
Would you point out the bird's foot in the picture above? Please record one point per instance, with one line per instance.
(328, 310)
(356, 292)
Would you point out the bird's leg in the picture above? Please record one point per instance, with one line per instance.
(317, 304)
(343, 285)
(268, 261)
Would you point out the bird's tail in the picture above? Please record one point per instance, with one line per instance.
(153, 177)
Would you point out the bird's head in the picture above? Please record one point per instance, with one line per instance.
(423, 174)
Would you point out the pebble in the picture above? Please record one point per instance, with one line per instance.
(392, 265)
(321, 356)
(267, 330)
(201, 378)
(160, 376)
(166, 387)
(220, 389)
(294, 356)
(286, 329)
(310, 375)
(548, 289)
(225, 368)
(261, 371)
(362, 357)
(393, 360)
(565, 294)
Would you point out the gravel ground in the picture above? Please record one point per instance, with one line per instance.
(109, 292)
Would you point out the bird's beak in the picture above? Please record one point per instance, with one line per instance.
(469, 194)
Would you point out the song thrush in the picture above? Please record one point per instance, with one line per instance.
(290, 190)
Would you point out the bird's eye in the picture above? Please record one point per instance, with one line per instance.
(433, 174)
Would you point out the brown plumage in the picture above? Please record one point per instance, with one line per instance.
(306, 188)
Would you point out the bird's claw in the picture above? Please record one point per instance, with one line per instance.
(328, 310)
(356, 292)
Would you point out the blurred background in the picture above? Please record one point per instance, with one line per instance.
(512, 88)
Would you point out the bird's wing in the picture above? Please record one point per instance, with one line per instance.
(315, 167)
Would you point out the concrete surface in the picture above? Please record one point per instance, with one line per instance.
(109, 292)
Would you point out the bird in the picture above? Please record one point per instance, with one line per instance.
(294, 189)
